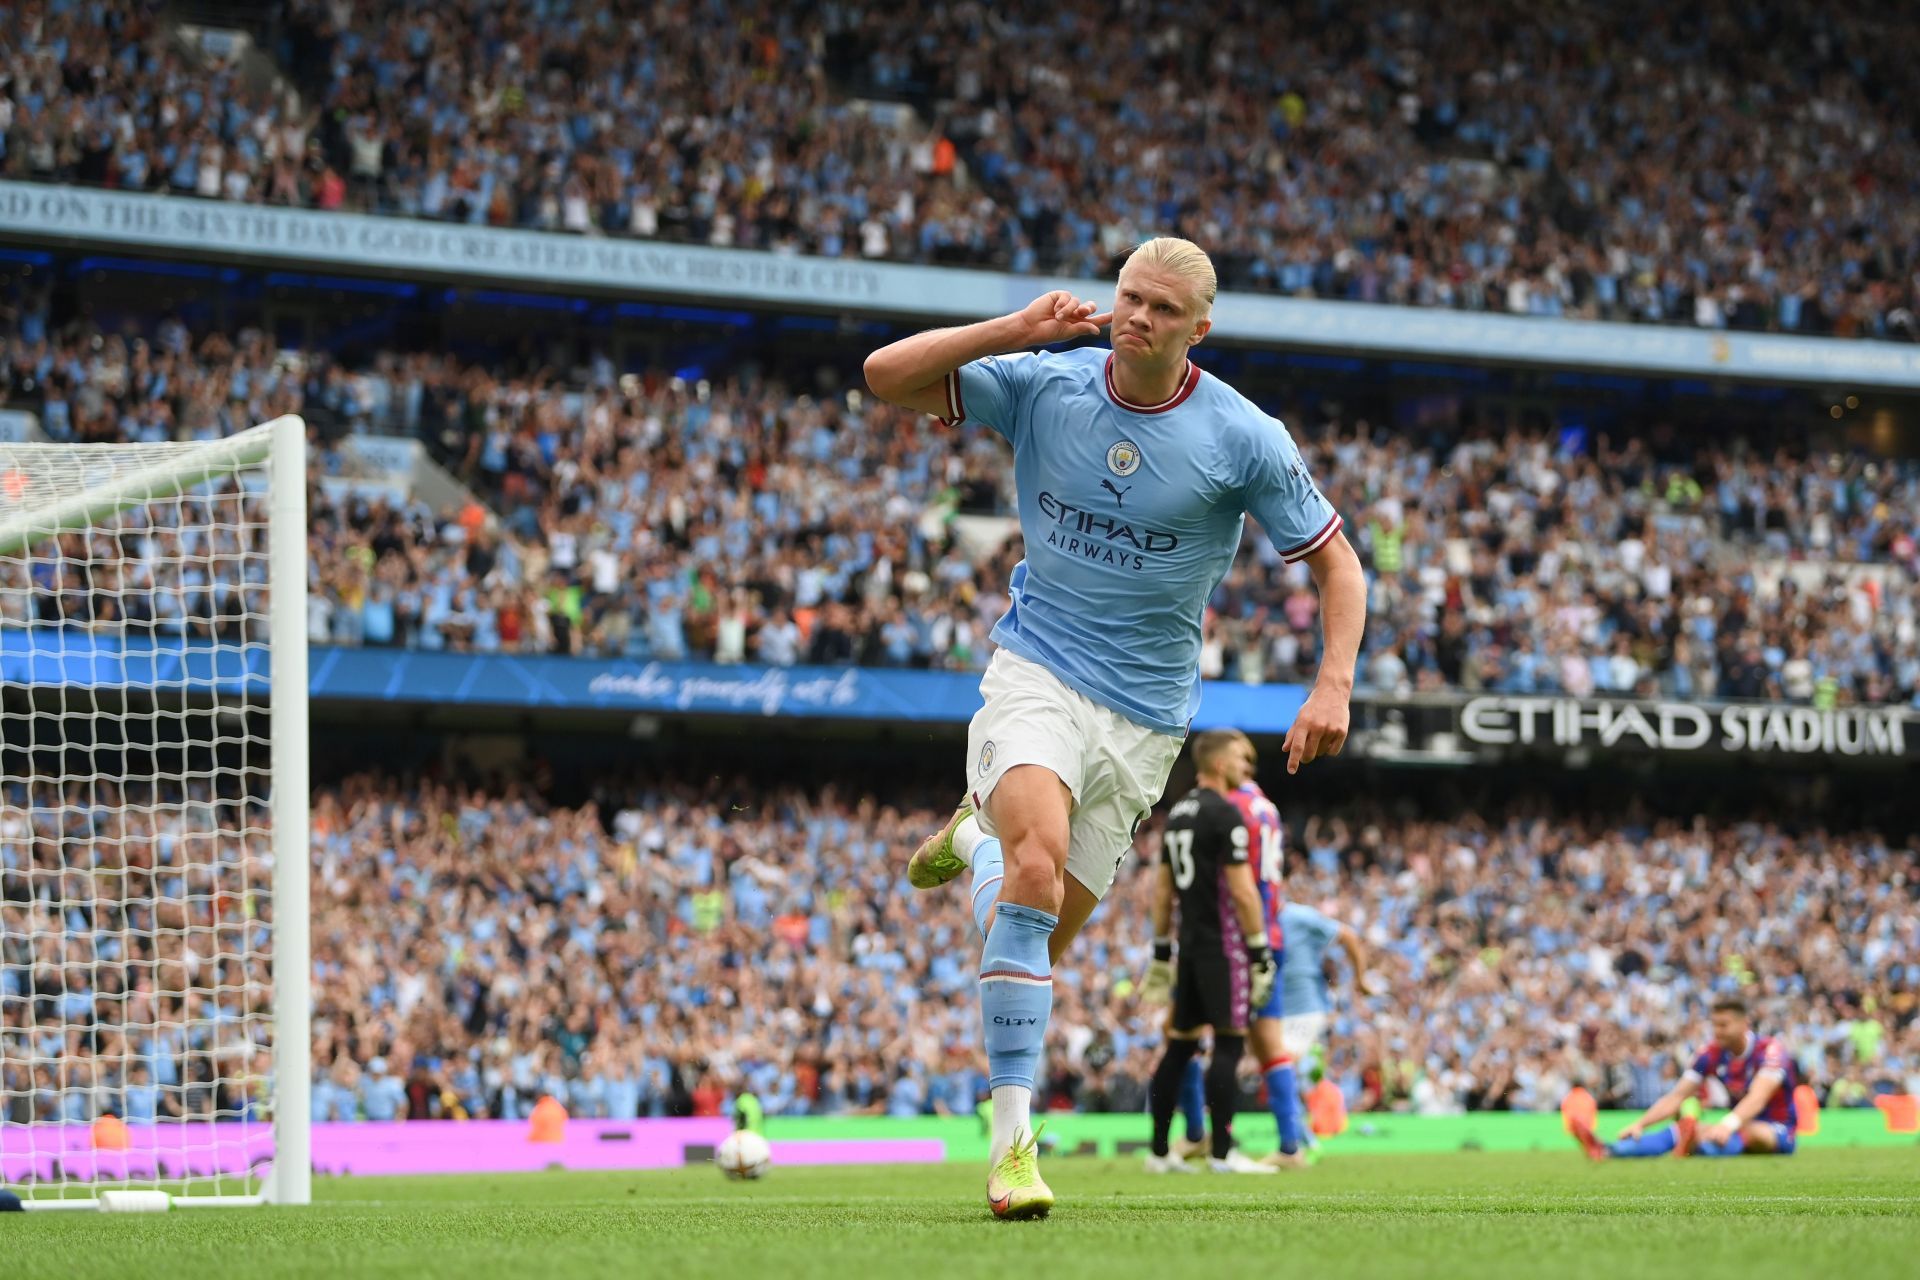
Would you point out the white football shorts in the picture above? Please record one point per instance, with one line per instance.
(1300, 1032)
(1115, 768)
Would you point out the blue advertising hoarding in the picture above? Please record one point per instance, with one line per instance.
(698, 688)
(49, 657)
(46, 657)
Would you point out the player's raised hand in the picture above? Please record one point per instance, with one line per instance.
(1059, 316)
(1319, 730)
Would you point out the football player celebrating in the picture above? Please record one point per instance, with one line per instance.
(1135, 472)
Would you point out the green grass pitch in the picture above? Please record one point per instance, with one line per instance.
(1853, 1214)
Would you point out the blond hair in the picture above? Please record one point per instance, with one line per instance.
(1182, 258)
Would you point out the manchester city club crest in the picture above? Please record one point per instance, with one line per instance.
(1124, 458)
(986, 758)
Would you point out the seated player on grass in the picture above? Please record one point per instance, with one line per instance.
(1759, 1076)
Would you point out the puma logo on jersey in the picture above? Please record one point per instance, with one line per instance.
(1119, 495)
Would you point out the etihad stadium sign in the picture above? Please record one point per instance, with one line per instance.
(1750, 728)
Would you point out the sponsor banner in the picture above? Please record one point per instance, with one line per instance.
(1753, 728)
(1477, 337)
(50, 1153)
(846, 693)
(189, 227)
(51, 657)
(1443, 723)
(532, 680)
(200, 1149)
(416, 247)
(1451, 729)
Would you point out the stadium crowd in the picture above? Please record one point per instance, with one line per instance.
(657, 952)
(646, 517)
(1723, 165)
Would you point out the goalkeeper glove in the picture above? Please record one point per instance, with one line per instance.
(1158, 987)
(1263, 970)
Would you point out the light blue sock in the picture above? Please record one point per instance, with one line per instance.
(1193, 1099)
(1283, 1099)
(1658, 1143)
(989, 868)
(1731, 1147)
(1016, 993)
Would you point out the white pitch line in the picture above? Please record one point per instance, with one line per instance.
(1307, 1201)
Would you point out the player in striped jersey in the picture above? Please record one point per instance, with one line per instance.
(1759, 1076)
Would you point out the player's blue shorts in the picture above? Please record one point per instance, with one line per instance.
(1782, 1137)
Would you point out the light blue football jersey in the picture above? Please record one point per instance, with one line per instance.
(1307, 937)
(1131, 515)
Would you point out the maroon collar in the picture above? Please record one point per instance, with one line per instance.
(1187, 384)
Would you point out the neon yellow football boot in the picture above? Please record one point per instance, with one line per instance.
(1014, 1187)
(934, 862)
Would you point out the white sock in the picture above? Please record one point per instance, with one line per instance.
(967, 837)
(1012, 1116)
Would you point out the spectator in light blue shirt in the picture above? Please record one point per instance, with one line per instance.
(908, 1097)
(623, 1092)
(333, 1099)
(383, 1095)
(140, 1099)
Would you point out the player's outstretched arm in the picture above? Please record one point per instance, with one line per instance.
(912, 372)
(1163, 902)
(1321, 727)
(1158, 986)
(1349, 941)
(1664, 1108)
(1245, 892)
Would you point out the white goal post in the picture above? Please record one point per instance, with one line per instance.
(155, 1002)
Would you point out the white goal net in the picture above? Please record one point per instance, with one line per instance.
(153, 949)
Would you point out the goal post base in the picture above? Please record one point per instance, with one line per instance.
(218, 1202)
(70, 1205)
(135, 1201)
